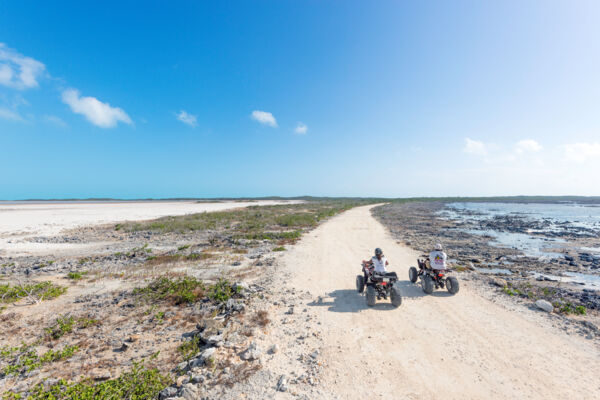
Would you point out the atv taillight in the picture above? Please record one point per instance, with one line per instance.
(440, 275)
(384, 283)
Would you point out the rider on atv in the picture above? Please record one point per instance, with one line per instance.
(437, 258)
(378, 282)
(378, 263)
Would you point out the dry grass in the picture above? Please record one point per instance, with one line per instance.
(261, 318)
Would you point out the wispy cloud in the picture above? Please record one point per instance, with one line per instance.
(475, 147)
(18, 71)
(186, 118)
(527, 145)
(582, 152)
(301, 128)
(264, 117)
(10, 115)
(54, 120)
(98, 113)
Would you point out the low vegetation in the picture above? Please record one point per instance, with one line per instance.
(533, 292)
(186, 290)
(281, 222)
(569, 308)
(66, 324)
(140, 383)
(76, 275)
(37, 291)
(190, 348)
(25, 358)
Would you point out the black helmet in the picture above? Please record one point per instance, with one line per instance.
(378, 251)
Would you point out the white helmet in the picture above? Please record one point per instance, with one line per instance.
(439, 247)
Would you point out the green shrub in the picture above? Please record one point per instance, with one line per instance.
(76, 275)
(83, 323)
(186, 290)
(580, 310)
(141, 383)
(42, 290)
(190, 348)
(569, 308)
(179, 290)
(25, 358)
(511, 292)
(280, 248)
(222, 291)
(62, 326)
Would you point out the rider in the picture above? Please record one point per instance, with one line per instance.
(437, 258)
(378, 262)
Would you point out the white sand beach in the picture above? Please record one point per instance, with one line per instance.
(22, 220)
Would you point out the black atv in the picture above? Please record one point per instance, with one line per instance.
(431, 278)
(378, 286)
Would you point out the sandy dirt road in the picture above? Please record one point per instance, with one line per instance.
(431, 347)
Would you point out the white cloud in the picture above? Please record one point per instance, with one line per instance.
(186, 118)
(54, 120)
(18, 71)
(95, 111)
(264, 117)
(581, 152)
(9, 115)
(475, 147)
(301, 128)
(528, 145)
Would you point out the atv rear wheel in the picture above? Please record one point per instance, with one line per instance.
(413, 274)
(452, 285)
(427, 284)
(360, 283)
(396, 296)
(371, 296)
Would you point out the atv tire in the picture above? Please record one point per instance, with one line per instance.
(360, 283)
(427, 284)
(452, 285)
(371, 296)
(396, 296)
(413, 275)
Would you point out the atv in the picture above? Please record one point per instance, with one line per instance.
(378, 286)
(431, 278)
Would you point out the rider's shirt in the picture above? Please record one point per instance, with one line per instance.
(437, 259)
(379, 264)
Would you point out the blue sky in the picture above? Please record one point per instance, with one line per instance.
(253, 98)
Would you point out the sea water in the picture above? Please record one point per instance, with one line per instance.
(558, 215)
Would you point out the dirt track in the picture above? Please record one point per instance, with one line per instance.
(432, 347)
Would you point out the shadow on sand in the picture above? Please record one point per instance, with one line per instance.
(349, 300)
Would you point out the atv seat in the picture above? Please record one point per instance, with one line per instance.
(377, 277)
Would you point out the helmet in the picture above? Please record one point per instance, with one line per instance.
(378, 251)
(439, 247)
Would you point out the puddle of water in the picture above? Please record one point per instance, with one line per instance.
(498, 271)
(591, 249)
(530, 245)
(587, 281)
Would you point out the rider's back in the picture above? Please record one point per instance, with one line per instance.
(437, 259)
